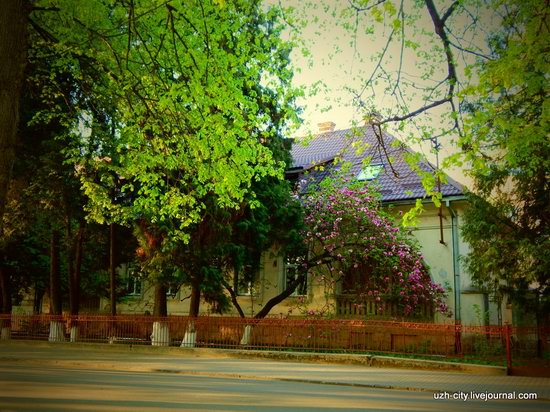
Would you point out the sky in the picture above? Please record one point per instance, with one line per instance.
(338, 61)
(325, 73)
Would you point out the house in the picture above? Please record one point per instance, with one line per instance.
(380, 159)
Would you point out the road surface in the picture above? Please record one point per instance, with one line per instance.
(62, 379)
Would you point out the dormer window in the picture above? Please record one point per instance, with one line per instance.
(370, 172)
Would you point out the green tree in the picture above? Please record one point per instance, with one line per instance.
(193, 87)
(218, 95)
(224, 249)
(276, 225)
(45, 197)
(180, 102)
(50, 97)
(508, 223)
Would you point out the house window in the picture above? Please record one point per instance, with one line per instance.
(244, 286)
(133, 281)
(172, 291)
(292, 271)
(246, 289)
(370, 172)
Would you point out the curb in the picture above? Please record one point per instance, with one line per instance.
(372, 361)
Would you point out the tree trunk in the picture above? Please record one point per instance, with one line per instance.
(13, 47)
(247, 335)
(75, 264)
(161, 332)
(5, 301)
(280, 297)
(57, 327)
(112, 268)
(194, 305)
(190, 337)
(37, 300)
(234, 299)
(161, 308)
(70, 252)
(540, 343)
(6, 290)
(78, 268)
(55, 275)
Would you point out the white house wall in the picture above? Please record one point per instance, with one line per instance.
(439, 257)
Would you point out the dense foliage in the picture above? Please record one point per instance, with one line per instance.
(167, 114)
(508, 146)
(197, 89)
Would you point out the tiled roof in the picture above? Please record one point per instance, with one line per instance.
(397, 181)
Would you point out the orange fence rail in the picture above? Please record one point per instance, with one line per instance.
(501, 343)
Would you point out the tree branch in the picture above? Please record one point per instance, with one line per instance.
(360, 9)
(414, 113)
(46, 35)
(449, 11)
(399, 70)
(280, 297)
(463, 49)
(38, 8)
(451, 78)
(233, 298)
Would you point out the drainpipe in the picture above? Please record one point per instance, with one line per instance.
(456, 264)
(440, 214)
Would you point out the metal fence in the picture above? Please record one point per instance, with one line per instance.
(495, 343)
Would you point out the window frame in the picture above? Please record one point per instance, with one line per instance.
(370, 172)
(134, 283)
(248, 290)
(301, 289)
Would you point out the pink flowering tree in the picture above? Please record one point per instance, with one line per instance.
(357, 248)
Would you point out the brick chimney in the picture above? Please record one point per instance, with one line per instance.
(326, 127)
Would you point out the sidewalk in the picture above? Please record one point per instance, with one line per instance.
(271, 366)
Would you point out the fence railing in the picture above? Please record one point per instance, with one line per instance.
(350, 306)
(498, 343)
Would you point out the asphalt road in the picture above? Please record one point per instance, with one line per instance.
(39, 388)
(62, 378)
